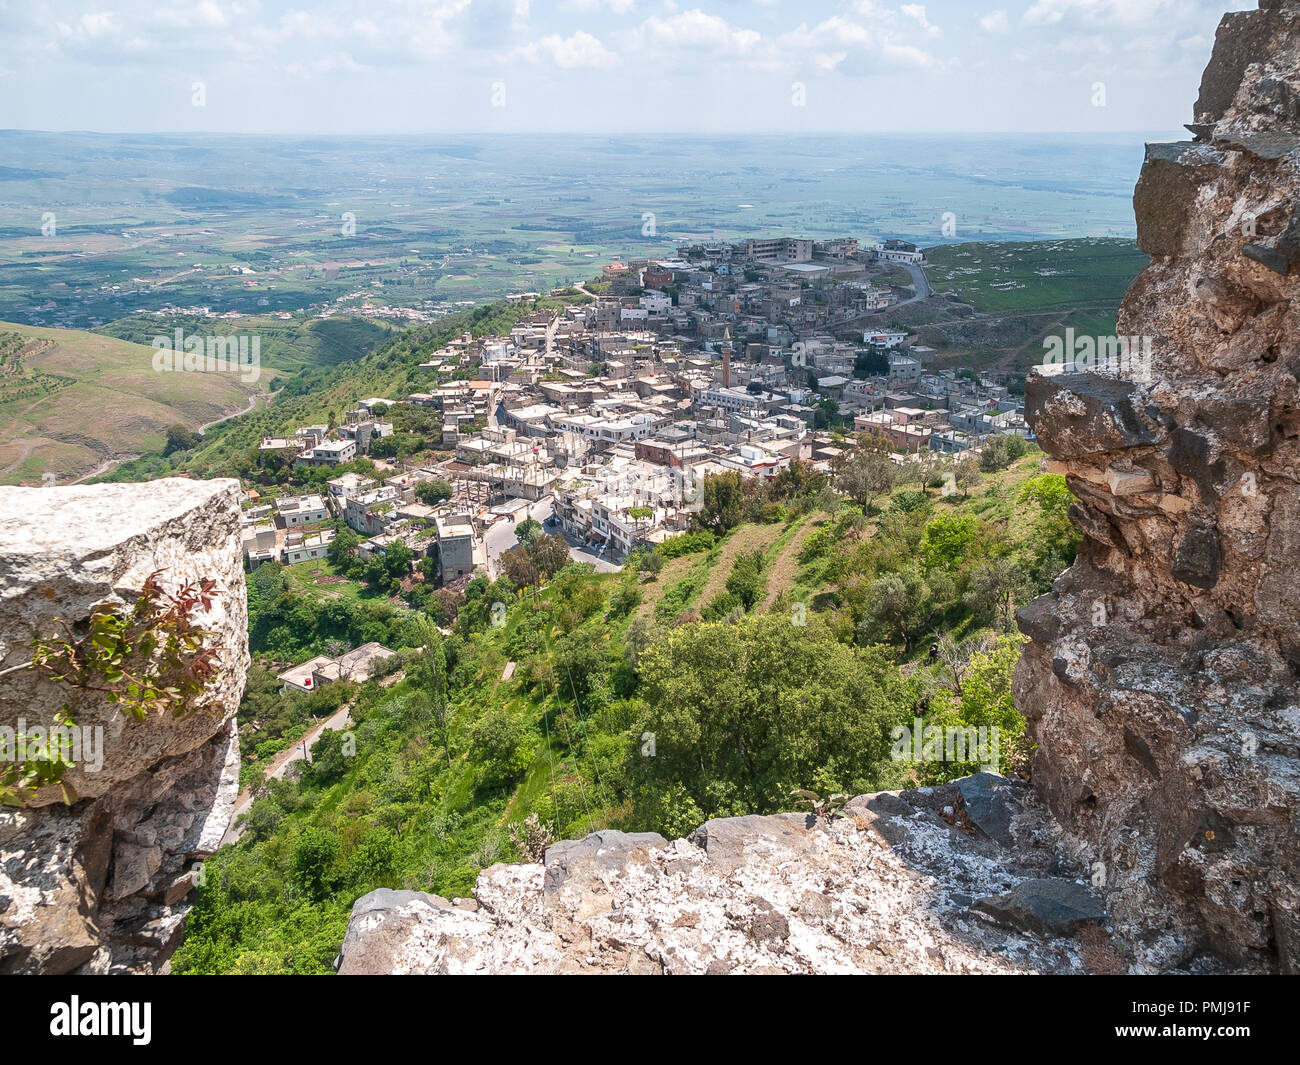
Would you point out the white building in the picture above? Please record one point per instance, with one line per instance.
(883, 340)
(302, 510)
(899, 251)
(656, 302)
(299, 548)
(329, 453)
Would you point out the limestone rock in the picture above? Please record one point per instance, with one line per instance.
(101, 886)
(886, 888)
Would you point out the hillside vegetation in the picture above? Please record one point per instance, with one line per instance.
(772, 649)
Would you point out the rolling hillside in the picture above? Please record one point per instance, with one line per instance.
(72, 401)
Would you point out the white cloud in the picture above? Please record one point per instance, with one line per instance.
(916, 12)
(995, 21)
(571, 53)
(618, 7)
(1096, 12)
(210, 14)
(884, 44)
(696, 29)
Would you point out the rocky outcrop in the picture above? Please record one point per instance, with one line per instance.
(1163, 682)
(101, 885)
(902, 882)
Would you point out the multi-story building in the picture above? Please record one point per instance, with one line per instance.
(329, 453)
(301, 510)
(455, 545)
(779, 249)
(371, 512)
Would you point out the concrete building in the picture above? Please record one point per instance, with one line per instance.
(779, 249)
(370, 512)
(899, 251)
(456, 542)
(300, 548)
(329, 453)
(301, 510)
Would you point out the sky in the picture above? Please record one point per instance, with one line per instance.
(604, 67)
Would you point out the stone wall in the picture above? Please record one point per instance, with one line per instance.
(101, 885)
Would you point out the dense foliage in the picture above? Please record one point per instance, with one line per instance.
(774, 648)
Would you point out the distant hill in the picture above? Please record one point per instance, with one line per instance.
(287, 347)
(75, 403)
(72, 402)
(1003, 298)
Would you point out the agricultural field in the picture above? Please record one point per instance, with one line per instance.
(104, 227)
(1036, 275)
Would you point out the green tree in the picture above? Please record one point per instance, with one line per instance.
(496, 742)
(549, 553)
(527, 531)
(311, 864)
(995, 588)
(745, 581)
(328, 760)
(947, 541)
(519, 566)
(343, 547)
(180, 438)
(397, 560)
(1054, 538)
(743, 713)
(986, 700)
(432, 492)
(722, 504)
(864, 475)
(371, 864)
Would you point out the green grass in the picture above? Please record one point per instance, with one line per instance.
(1084, 274)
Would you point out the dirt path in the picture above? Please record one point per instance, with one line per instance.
(674, 570)
(252, 405)
(104, 467)
(785, 568)
(745, 539)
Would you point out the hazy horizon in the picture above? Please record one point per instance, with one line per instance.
(436, 67)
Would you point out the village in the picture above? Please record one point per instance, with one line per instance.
(603, 421)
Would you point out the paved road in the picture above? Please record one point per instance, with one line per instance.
(920, 281)
(280, 764)
(579, 552)
(923, 292)
(501, 537)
